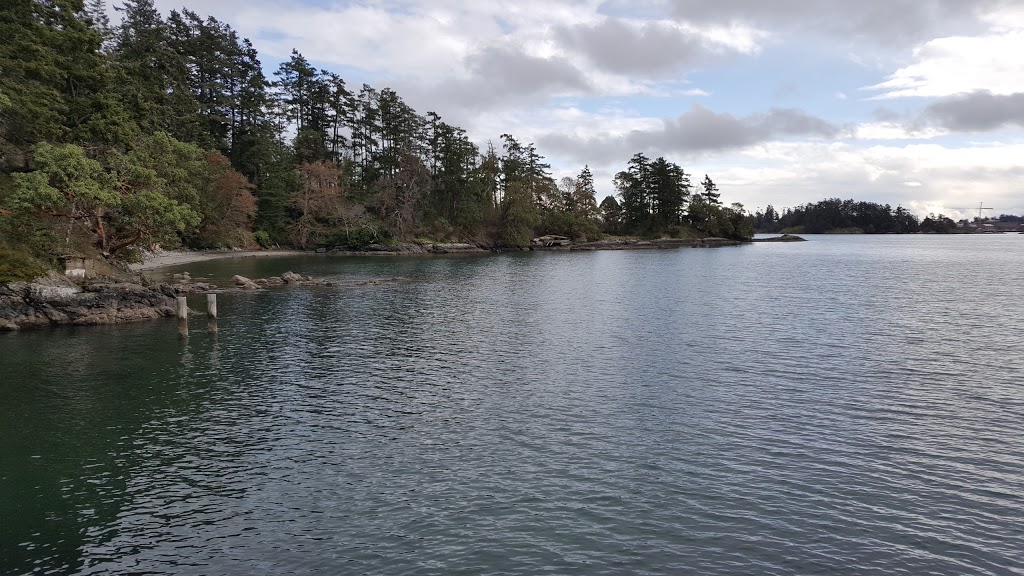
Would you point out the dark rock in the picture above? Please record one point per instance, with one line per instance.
(783, 238)
(48, 303)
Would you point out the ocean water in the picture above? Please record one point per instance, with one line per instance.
(847, 405)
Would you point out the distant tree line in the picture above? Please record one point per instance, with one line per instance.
(850, 216)
(835, 215)
(166, 131)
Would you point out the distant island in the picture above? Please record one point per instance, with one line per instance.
(835, 216)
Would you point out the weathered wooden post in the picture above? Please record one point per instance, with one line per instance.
(182, 317)
(211, 313)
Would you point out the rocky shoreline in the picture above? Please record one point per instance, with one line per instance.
(411, 248)
(57, 300)
(783, 238)
(657, 244)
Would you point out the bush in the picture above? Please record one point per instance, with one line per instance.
(263, 238)
(19, 267)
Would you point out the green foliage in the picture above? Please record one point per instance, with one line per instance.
(263, 238)
(657, 200)
(715, 220)
(137, 197)
(64, 179)
(517, 217)
(19, 266)
(654, 195)
(611, 215)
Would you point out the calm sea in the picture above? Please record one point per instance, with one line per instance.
(847, 405)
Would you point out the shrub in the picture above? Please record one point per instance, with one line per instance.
(263, 238)
(18, 266)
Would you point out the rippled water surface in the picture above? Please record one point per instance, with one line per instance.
(848, 405)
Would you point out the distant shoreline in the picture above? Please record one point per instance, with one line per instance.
(164, 259)
(168, 258)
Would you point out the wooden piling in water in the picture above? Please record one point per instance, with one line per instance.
(182, 317)
(211, 306)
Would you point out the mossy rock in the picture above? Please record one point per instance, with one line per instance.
(19, 267)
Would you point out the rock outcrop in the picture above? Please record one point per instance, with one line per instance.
(54, 300)
(783, 238)
(244, 283)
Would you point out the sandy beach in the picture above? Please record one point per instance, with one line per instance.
(164, 258)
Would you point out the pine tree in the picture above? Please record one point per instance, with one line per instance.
(152, 78)
(633, 186)
(710, 192)
(669, 189)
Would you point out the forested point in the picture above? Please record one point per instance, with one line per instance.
(166, 132)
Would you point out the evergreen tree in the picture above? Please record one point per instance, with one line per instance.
(55, 84)
(151, 77)
(294, 84)
(633, 186)
(669, 190)
(611, 215)
(32, 107)
(710, 191)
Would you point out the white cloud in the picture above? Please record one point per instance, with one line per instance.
(917, 176)
(544, 71)
(893, 131)
(961, 64)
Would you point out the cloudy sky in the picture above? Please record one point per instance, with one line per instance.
(912, 102)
